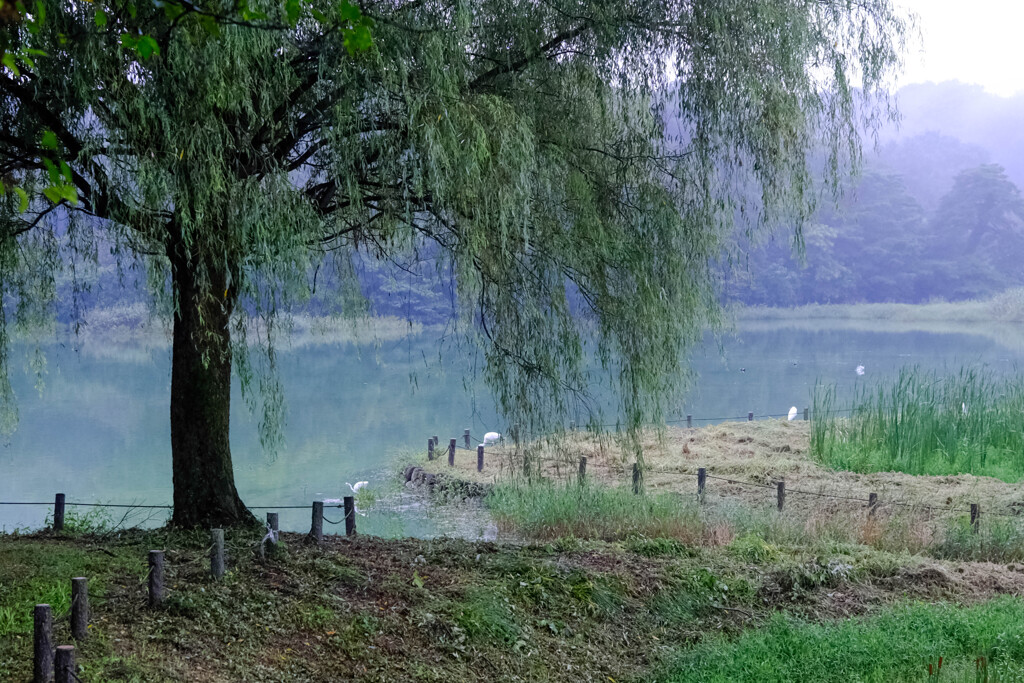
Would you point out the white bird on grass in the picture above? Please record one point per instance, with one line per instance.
(359, 485)
(792, 413)
(859, 370)
(491, 437)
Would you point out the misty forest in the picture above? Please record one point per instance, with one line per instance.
(568, 340)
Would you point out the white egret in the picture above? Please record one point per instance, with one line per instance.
(359, 485)
(792, 413)
(859, 370)
(491, 437)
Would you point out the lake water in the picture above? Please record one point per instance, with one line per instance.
(98, 430)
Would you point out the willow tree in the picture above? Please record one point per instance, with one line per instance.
(573, 165)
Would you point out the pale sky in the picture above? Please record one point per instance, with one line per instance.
(976, 41)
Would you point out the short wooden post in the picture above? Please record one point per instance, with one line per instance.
(636, 478)
(975, 517)
(217, 553)
(702, 479)
(156, 578)
(350, 515)
(58, 512)
(451, 453)
(689, 421)
(316, 527)
(750, 417)
(583, 470)
(42, 644)
(79, 608)
(480, 458)
(64, 665)
(430, 449)
(807, 414)
(465, 437)
(437, 440)
(872, 504)
(274, 522)
(781, 493)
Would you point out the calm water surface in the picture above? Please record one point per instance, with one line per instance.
(98, 430)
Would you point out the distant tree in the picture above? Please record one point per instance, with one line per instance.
(981, 217)
(234, 148)
(927, 164)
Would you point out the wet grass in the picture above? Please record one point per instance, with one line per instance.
(907, 643)
(921, 422)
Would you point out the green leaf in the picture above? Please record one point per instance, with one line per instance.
(348, 12)
(22, 200)
(358, 39)
(52, 171)
(147, 47)
(8, 61)
(292, 9)
(129, 41)
(100, 18)
(49, 140)
(173, 10)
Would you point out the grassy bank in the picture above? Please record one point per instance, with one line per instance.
(1006, 307)
(641, 609)
(924, 423)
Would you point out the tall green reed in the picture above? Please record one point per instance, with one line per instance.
(921, 422)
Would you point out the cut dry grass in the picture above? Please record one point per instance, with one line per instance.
(823, 507)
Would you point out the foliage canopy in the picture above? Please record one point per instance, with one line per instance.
(523, 146)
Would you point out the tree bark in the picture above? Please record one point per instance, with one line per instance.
(204, 483)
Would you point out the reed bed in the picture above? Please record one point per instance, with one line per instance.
(921, 422)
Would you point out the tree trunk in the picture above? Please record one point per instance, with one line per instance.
(204, 483)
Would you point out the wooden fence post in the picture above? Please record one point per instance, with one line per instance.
(480, 458)
(975, 517)
(430, 449)
(750, 417)
(583, 470)
(42, 644)
(807, 414)
(64, 669)
(702, 478)
(636, 478)
(689, 421)
(217, 553)
(58, 512)
(79, 608)
(781, 493)
(274, 522)
(451, 453)
(465, 436)
(872, 504)
(156, 578)
(316, 527)
(350, 515)
(437, 440)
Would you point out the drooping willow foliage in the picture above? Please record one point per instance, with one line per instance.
(575, 163)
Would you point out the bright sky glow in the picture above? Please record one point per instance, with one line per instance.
(972, 42)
